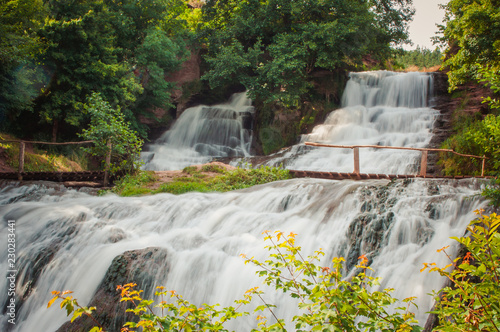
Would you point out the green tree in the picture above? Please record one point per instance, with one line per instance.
(472, 302)
(19, 78)
(472, 34)
(108, 126)
(272, 47)
(122, 49)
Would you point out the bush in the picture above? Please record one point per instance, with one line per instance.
(329, 301)
(472, 303)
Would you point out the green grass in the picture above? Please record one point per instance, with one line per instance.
(139, 183)
(37, 160)
(134, 184)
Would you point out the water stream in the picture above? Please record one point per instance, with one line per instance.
(202, 133)
(67, 239)
(378, 108)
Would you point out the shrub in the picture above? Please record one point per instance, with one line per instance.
(472, 303)
(108, 126)
(328, 301)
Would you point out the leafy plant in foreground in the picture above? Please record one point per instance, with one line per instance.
(327, 300)
(472, 303)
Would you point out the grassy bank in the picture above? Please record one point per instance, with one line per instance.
(208, 178)
(36, 159)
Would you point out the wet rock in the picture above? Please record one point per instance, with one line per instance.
(139, 266)
(433, 211)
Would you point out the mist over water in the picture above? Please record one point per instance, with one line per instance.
(68, 239)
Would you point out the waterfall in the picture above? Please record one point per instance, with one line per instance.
(202, 133)
(67, 240)
(378, 108)
(191, 243)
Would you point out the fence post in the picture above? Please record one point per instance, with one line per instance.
(356, 160)
(20, 171)
(108, 163)
(423, 164)
(482, 168)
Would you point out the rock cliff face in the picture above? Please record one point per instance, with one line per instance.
(186, 79)
(188, 73)
(442, 127)
(139, 266)
(466, 99)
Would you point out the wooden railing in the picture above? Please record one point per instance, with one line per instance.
(22, 148)
(423, 161)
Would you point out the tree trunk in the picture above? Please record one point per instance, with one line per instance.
(55, 127)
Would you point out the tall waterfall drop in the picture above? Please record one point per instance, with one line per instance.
(204, 132)
(378, 108)
(192, 243)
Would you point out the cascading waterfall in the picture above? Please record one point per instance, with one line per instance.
(378, 108)
(192, 243)
(68, 240)
(202, 133)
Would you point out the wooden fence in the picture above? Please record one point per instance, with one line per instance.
(22, 149)
(423, 161)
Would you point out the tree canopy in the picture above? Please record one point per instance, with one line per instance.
(273, 46)
(57, 53)
(472, 33)
(121, 49)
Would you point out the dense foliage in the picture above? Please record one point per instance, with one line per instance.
(419, 57)
(472, 302)
(329, 302)
(272, 47)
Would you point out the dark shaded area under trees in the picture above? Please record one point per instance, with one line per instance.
(292, 57)
(58, 53)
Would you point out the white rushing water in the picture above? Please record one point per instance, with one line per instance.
(378, 108)
(203, 235)
(68, 240)
(202, 133)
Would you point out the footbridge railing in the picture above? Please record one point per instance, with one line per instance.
(423, 161)
(22, 149)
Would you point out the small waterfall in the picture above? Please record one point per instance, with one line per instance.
(202, 133)
(378, 108)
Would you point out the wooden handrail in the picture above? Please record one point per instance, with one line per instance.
(392, 147)
(22, 148)
(50, 143)
(423, 163)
